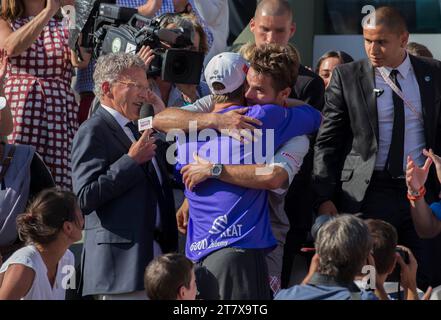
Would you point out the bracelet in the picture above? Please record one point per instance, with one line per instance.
(416, 196)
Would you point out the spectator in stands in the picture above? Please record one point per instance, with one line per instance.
(41, 270)
(174, 94)
(342, 245)
(419, 50)
(38, 86)
(170, 277)
(328, 62)
(384, 251)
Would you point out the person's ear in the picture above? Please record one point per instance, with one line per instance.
(284, 94)
(107, 89)
(181, 293)
(292, 30)
(252, 25)
(404, 39)
(67, 228)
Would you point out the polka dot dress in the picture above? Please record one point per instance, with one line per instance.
(43, 106)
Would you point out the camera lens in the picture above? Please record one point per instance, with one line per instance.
(180, 65)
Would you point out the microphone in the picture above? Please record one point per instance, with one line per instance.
(146, 111)
(378, 92)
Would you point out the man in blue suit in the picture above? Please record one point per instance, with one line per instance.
(121, 181)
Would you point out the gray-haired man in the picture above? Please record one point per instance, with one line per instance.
(122, 187)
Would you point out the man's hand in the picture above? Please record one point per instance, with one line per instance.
(147, 55)
(155, 100)
(313, 268)
(408, 273)
(143, 150)
(3, 70)
(327, 207)
(195, 173)
(436, 160)
(237, 125)
(182, 217)
(415, 176)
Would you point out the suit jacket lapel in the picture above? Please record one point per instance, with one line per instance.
(367, 85)
(117, 131)
(425, 80)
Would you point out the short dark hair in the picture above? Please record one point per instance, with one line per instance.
(46, 215)
(391, 18)
(419, 50)
(384, 241)
(166, 274)
(341, 55)
(281, 63)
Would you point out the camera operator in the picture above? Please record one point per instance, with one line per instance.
(387, 258)
(173, 94)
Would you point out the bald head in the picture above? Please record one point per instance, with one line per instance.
(273, 23)
(273, 8)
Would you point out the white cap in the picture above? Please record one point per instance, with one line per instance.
(228, 68)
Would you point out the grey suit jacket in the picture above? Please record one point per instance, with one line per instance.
(119, 204)
(347, 143)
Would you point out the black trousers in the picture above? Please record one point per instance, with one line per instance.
(386, 200)
(242, 274)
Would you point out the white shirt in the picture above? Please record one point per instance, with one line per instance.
(414, 141)
(41, 288)
(122, 121)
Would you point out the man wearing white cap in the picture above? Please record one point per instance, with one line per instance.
(269, 81)
(229, 231)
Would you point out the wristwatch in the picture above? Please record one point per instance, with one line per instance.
(2, 103)
(216, 170)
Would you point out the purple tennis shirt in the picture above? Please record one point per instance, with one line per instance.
(226, 215)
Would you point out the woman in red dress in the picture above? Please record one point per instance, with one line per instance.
(38, 86)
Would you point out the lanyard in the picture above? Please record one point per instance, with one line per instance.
(400, 94)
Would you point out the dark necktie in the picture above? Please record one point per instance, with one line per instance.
(151, 171)
(396, 151)
(150, 167)
(134, 130)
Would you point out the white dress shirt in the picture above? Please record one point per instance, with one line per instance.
(414, 140)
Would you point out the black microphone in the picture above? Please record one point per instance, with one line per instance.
(378, 92)
(147, 110)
